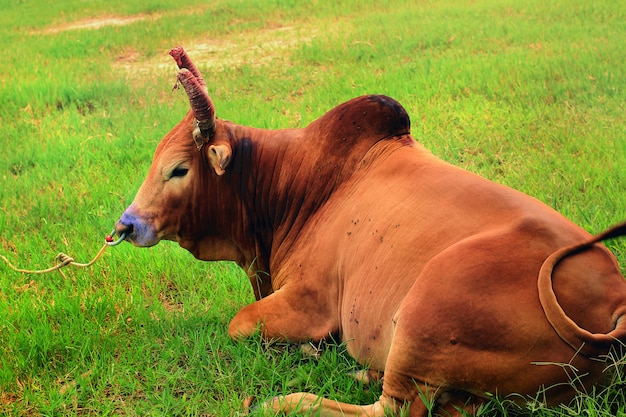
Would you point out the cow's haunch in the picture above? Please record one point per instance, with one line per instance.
(454, 286)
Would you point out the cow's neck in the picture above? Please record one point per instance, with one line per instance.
(280, 183)
(283, 177)
(278, 179)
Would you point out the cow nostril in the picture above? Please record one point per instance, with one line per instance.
(123, 228)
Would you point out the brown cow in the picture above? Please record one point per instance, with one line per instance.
(452, 285)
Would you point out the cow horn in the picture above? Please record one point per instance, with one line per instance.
(183, 61)
(195, 87)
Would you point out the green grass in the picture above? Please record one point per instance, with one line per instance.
(530, 94)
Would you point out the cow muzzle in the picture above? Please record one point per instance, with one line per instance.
(138, 231)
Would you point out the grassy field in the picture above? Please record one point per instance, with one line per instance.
(530, 94)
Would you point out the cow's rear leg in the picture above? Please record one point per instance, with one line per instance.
(323, 407)
(426, 403)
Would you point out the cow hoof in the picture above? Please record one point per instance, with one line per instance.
(310, 350)
(249, 405)
(367, 376)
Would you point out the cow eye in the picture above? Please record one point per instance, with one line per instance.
(179, 172)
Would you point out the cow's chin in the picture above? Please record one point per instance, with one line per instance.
(142, 242)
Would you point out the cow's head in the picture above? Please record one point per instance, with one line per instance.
(166, 205)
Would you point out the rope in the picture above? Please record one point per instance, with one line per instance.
(65, 260)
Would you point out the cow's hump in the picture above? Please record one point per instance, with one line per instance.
(374, 117)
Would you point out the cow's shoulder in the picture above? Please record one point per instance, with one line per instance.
(371, 117)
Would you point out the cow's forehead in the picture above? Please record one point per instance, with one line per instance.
(178, 141)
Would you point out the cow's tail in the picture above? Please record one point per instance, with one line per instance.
(581, 340)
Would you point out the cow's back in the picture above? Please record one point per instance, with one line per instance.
(403, 207)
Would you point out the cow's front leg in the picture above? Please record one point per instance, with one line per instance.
(294, 314)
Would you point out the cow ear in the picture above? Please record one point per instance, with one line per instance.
(219, 157)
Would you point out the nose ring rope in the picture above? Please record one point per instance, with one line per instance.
(109, 239)
(64, 260)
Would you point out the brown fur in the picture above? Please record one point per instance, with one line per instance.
(427, 272)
